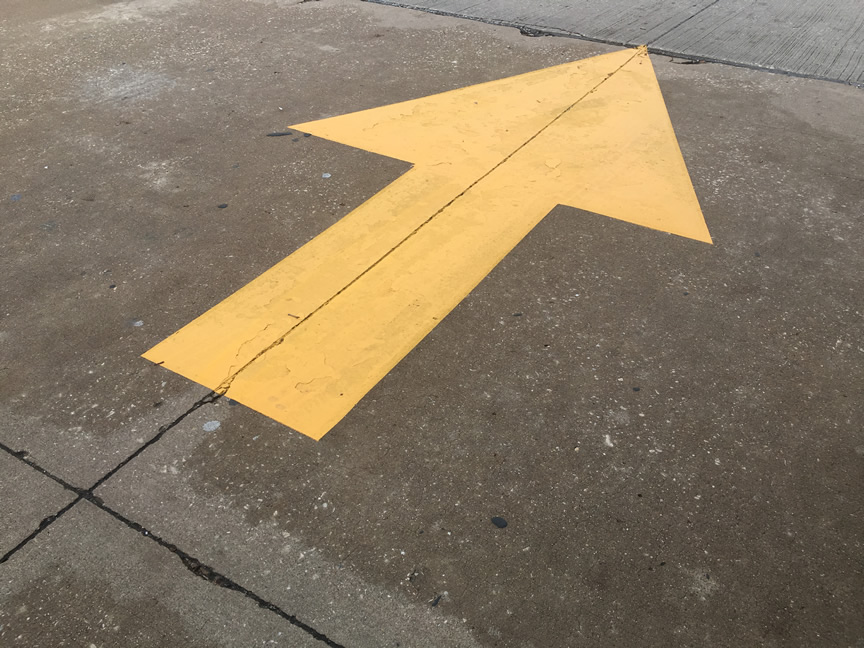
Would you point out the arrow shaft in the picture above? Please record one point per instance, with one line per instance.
(212, 348)
(327, 363)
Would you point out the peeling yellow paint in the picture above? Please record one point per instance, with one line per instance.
(306, 340)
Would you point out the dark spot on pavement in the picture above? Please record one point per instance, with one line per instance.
(499, 522)
(436, 601)
(222, 206)
(531, 33)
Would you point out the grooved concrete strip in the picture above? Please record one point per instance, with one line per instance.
(618, 21)
(823, 38)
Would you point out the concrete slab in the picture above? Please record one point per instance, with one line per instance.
(28, 498)
(668, 428)
(823, 39)
(91, 581)
(632, 22)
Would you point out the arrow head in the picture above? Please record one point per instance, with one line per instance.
(593, 134)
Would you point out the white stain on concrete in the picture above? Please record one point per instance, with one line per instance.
(125, 83)
(703, 584)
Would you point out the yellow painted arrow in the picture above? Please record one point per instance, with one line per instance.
(305, 341)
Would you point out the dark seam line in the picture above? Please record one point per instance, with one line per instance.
(191, 563)
(226, 384)
(212, 576)
(563, 33)
(44, 524)
(212, 397)
(22, 456)
(689, 18)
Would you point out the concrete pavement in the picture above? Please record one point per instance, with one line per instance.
(822, 39)
(671, 430)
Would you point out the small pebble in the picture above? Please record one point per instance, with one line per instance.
(211, 426)
(325, 175)
(499, 522)
(138, 323)
(15, 197)
(222, 206)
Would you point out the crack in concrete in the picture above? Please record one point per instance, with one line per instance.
(207, 573)
(212, 397)
(192, 564)
(225, 385)
(240, 350)
(44, 524)
(87, 493)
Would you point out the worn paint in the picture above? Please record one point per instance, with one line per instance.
(306, 340)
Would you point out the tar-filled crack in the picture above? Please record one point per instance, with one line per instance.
(225, 385)
(44, 524)
(210, 575)
(195, 566)
(212, 397)
(23, 455)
